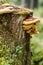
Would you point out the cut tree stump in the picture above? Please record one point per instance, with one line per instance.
(16, 27)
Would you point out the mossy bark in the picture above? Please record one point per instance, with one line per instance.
(27, 48)
(13, 40)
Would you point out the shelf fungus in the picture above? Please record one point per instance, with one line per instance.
(29, 25)
(8, 8)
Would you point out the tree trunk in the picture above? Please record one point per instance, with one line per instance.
(27, 48)
(31, 4)
(13, 40)
(23, 3)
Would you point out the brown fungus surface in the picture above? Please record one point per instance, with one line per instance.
(29, 25)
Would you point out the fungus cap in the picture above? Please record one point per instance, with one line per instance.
(13, 8)
(31, 20)
(29, 25)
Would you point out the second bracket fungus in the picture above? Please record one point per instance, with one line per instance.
(29, 25)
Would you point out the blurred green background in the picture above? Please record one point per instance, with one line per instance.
(37, 40)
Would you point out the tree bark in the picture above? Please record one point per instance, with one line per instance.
(27, 48)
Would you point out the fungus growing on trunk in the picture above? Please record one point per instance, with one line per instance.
(29, 25)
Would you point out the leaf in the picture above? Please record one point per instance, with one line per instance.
(18, 48)
(5, 63)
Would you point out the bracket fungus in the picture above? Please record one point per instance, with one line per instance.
(29, 25)
(7, 8)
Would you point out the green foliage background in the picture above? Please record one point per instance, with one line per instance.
(37, 47)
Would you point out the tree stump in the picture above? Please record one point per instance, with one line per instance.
(16, 27)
